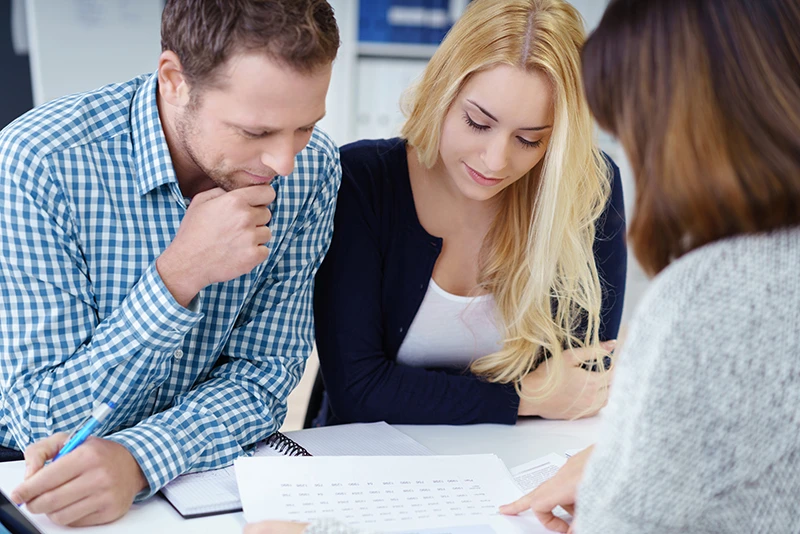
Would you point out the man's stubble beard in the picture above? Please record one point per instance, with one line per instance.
(186, 128)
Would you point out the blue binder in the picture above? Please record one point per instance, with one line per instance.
(395, 21)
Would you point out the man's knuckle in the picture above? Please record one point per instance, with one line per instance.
(60, 518)
(106, 502)
(48, 502)
(104, 480)
(238, 199)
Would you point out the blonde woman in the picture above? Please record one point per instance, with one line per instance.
(477, 262)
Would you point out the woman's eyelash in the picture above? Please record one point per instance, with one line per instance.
(474, 125)
(529, 144)
(483, 127)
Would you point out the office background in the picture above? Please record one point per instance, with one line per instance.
(49, 48)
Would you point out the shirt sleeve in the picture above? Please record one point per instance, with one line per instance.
(363, 383)
(244, 398)
(59, 359)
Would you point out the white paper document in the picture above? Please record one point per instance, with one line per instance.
(386, 494)
(215, 491)
(532, 474)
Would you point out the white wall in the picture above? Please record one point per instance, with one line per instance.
(341, 99)
(592, 11)
(79, 45)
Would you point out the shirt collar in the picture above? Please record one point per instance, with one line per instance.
(151, 152)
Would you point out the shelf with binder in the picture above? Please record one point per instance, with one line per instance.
(396, 50)
(407, 21)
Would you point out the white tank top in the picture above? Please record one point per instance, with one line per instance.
(451, 330)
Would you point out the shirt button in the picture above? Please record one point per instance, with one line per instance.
(178, 354)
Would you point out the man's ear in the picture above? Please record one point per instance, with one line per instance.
(172, 84)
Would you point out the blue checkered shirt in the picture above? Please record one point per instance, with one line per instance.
(88, 201)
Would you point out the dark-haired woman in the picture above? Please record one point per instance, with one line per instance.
(701, 433)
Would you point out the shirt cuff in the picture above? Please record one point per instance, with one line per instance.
(158, 454)
(154, 316)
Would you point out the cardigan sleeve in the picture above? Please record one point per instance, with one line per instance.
(611, 257)
(363, 382)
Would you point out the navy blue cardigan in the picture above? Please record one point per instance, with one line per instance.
(372, 283)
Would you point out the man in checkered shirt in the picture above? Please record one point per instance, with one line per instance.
(158, 241)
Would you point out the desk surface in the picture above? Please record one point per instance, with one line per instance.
(515, 445)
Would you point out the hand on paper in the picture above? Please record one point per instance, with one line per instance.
(275, 527)
(558, 491)
(222, 236)
(92, 485)
(580, 392)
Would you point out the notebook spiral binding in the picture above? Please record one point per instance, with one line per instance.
(285, 446)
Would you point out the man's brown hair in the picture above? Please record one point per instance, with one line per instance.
(705, 97)
(301, 34)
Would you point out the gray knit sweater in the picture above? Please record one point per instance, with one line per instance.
(702, 431)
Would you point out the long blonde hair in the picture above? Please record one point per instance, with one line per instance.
(537, 259)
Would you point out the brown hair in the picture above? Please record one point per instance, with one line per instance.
(705, 97)
(301, 34)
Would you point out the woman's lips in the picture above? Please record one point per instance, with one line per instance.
(481, 179)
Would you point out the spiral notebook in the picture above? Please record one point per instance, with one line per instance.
(216, 492)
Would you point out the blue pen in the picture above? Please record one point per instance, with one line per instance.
(85, 430)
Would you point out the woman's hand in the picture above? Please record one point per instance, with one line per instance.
(275, 527)
(581, 392)
(558, 491)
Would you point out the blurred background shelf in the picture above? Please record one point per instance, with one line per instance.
(396, 50)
